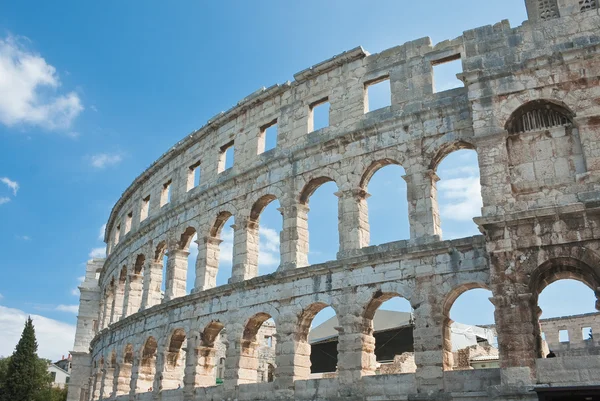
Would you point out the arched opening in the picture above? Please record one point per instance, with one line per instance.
(191, 264)
(566, 293)
(99, 369)
(147, 368)
(124, 378)
(458, 191)
(109, 303)
(120, 307)
(109, 375)
(255, 353)
(544, 147)
(224, 235)
(159, 267)
(388, 329)
(321, 220)
(174, 369)
(212, 348)
(387, 202)
(184, 265)
(469, 334)
(264, 229)
(317, 343)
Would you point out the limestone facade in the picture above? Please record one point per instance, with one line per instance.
(530, 107)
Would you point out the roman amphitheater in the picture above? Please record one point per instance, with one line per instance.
(530, 108)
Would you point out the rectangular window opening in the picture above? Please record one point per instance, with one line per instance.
(193, 179)
(226, 154)
(117, 234)
(269, 341)
(318, 116)
(267, 138)
(165, 196)
(145, 207)
(563, 336)
(444, 73)
(378, 94)
(586, 333)
(128, 220)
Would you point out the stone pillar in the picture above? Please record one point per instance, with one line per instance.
(200, 365)
(173, 372)
(106, 311)
(207, 263)
(428, 342)
(152, 282)
(294, 236)
(241, 363)
(96, 393)
(125, 306)
(292, 354)
(353, 219)
(133, 297)
(177, 264)
(117, 312)
(122, 379)
(448, 356)
(423, 213)
(101, 313)
(516, 317)
(135, 371)
(245, 250)
(356, 347)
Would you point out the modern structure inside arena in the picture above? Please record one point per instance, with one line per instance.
(530, 108)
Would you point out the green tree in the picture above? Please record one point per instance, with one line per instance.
(25, 374)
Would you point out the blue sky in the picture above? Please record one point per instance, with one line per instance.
(91, 93)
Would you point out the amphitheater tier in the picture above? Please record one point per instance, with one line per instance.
(530, 108)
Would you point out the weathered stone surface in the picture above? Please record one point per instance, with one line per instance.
(530, 108)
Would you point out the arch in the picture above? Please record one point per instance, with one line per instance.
(374, 167)
(220, 220)
(159, 251)
(128, 354)
(123, 275)
(138, 267)
(247, 368)
(176, 342)
(448, 348)
(210, 333)
(173, 371)
(539, 114)
(147, 367)
(253, 325)
(124, 377)
(186, 238)
(207, 351)
(260, 205)
(561, 268)
(311, 187)
(446, 148)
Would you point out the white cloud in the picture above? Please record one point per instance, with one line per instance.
(75, 291)
(25, 78)
(101, 233)
(68, 308)
(1, 296)
(463, 198)
(4, 200)
(103, 160)
(11, 184)
(98, 253)
(54, 338)
(24, 237)
(268, 247)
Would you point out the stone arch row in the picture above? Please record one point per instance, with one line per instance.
(136, 285)
(186, 356)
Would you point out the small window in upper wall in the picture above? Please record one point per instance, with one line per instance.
(145, 208)
(444, 73)
(117, 234)
(226, 154)
(563, 336)
(586, 333)
(318, 116)
(128, 222)
(378, 94)
(165, 195)
(267, 138)
(193, 178)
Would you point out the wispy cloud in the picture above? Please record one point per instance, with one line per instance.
(463, 198)
(25, 80)
(97, 253)
(75, 291)
(103, 160)
(101, 232)
(24, 237)
(4, 199)
(13, 185)
(68, 308)
(54, 338)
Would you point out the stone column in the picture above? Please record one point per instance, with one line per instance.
(174, 376)
(516, 317)
(423, 213)
(245, 250)
(134, 295)
(177, 264)
(101, 313)
(96, 393)
(135, 371)
(356, 346)
(353, 219)
(152, 282)
(241, 363)
(122, 379)
(200, 365)
(117, 311)
(207, 263)
(428, 341)
(294, 236)
(125, 306)
(292, 354)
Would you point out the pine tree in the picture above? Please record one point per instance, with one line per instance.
(26, 373)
